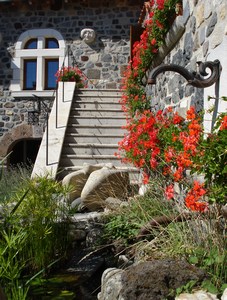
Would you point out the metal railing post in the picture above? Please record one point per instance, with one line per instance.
(56, 108)
(47, 138)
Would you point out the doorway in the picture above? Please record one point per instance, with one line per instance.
(24, 152)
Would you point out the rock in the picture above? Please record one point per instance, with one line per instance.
(224, 296)
(76, 203)
(93, 237)
(224, 211)
(143, 189)
(78, 179)
(112, 203)
(199, 295)
(124, 262)
(154, 279)
(86, 221)
(102, 184)
(77, 234)
(111, 284)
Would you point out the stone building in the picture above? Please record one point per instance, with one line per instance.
(199, 34)
(38, 36)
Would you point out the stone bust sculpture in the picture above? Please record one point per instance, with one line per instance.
(87, 35)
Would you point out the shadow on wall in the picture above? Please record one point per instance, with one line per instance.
(24, 152)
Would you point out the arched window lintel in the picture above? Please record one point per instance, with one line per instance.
(36, 33)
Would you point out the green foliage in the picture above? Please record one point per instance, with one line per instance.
(200, 239)
(213, 260)
(11, 179)
(33, 232)
(40, 212)
(214, 163)
(203, 244)
(187, 288)
(126, 223)
(121, 227)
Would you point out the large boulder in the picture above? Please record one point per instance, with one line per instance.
(102, 184)
(111, 284)
(150, 280)
(76, 180)
(155, 279)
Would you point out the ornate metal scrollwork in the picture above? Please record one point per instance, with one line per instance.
(196, 79)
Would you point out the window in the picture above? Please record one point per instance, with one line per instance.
(51, 67)
(51, 43)
(38, 55)
(31, 44)
(30, 66)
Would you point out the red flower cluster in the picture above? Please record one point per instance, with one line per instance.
(169, 192)
(193, 197)
(223, 125)
(73, 74)
(141, 143)
(163, 141)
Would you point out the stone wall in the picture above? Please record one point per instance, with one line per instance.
(200, 32)
(103, 61)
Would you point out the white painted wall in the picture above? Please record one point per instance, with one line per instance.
(220, 52)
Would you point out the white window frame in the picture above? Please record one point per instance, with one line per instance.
(40, 54)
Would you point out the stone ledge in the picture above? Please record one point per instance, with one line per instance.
(172, 37)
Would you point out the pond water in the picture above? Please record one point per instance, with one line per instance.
(64, 286)
(79, 280)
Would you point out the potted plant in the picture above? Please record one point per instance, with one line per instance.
(71, 74)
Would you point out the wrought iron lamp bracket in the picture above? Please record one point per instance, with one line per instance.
(197, 79)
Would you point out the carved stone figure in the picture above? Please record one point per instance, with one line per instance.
(11, 49)
(87, 35)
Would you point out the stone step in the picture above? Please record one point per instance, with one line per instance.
(95, 105)
(105, 93)
(86, 112)
(78, 160)
(96, 129)
(91, 138)
(95, 98)
(83, 120)
(90, 149)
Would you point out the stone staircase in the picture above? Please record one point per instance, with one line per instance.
(93, 131)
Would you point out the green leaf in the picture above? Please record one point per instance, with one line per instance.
(193, 260)
(210, 287)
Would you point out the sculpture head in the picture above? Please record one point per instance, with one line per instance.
(87, 35)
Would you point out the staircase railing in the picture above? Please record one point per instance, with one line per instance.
(33, 116)
(46, 109)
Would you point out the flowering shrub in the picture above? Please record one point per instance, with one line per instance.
(72, 74)
(167, 143)
(161, 15)
(164, 141)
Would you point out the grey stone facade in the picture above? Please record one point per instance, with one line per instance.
(103, 61)
(195, 36)
(200, 34)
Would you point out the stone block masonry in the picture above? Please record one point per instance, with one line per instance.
(102, 61)
(204, 38)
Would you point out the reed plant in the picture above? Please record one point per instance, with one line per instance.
(33, 229)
